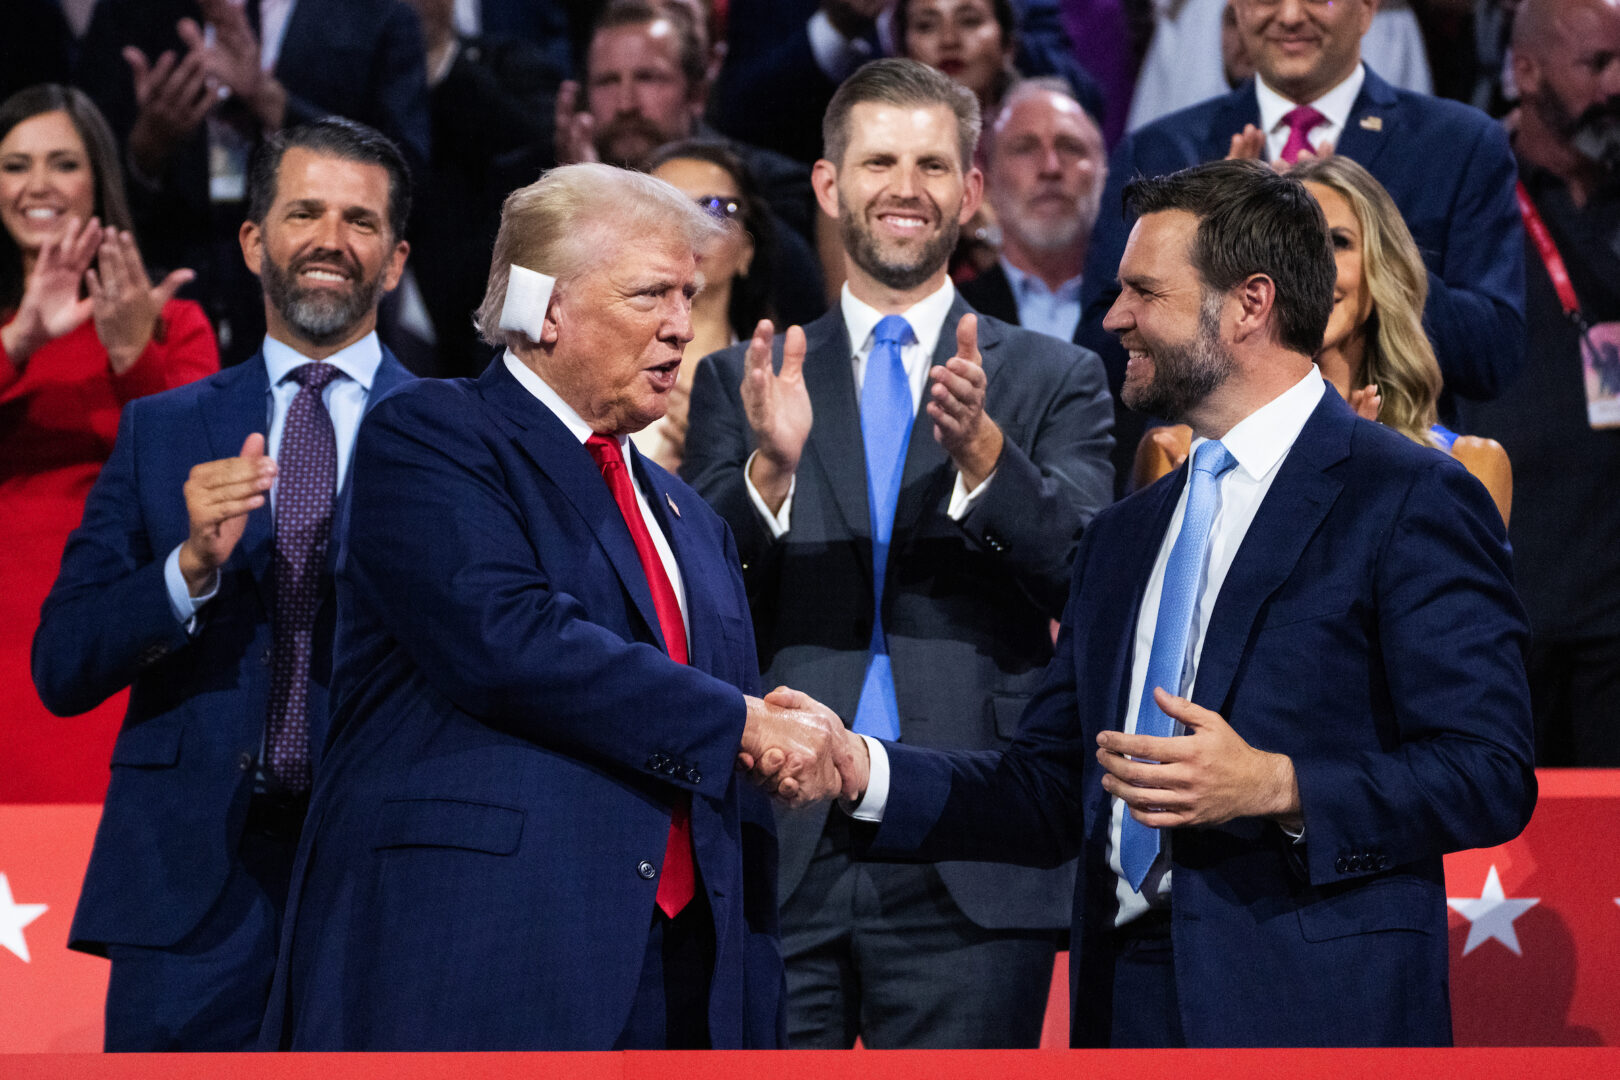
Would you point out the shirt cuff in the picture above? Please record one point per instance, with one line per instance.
(836, 55)
(780, 521)
(876, 797)
(963, 500)
(181, 602)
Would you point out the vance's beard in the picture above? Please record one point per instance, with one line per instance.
(322, 316)
(1185, 374)
(863, 247)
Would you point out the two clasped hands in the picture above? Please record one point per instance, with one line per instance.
(800, 751)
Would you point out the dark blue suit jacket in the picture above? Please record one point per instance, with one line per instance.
(183, 764)
(1450, 171)
(480, 859)
(1368, 629)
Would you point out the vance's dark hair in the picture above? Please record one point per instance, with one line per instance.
(1253, 221)
(337, 137)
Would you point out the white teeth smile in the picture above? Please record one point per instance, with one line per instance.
(41, 213)
(903, 222)
(325, 275)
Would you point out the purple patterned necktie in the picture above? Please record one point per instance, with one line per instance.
(308, 481)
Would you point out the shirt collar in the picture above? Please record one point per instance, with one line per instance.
(926, 317)
(1022, 282)
(1335, 104)
(1261, 439)
(534, 384)
(358, 361)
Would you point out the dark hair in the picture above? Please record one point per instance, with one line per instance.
(751, 293)
(900, 82)
(692, 58)
(1253, 221)
(106, 174)
(1006, 17)
(337, 137)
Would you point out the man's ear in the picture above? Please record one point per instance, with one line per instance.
(824, 181)
(972, 194)
(396, 265)
(251, 237)
(1257, 299)
(552, 327)
(1526, 73)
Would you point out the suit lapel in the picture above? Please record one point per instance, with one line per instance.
(1374, 120)
(702, 622)
(835, 442)
(1289, 516)
(1120, 601)
(390, 373)
(1238, 108)
(565, 460)
(242, 409)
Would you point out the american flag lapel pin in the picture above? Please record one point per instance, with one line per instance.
(1372, 123)
(671, 500)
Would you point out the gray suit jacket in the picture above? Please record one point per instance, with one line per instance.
(966, 605)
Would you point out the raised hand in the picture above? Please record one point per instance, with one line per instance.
(1206, 777)
(219, 497)
(232, 59)
(960, 425)
(778, 408)
(172, 97)
(1249, 143)
(125, 303)
(1366, 402)
(798, 749)
(575, 136)
(51, 305)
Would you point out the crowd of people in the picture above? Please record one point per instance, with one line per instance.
(349, 354)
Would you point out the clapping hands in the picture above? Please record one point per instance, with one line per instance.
(800, 751)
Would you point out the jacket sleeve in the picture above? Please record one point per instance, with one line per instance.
(1457, 770)
(108, 616)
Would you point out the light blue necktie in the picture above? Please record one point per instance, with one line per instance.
(886, 413)
(1167, 662)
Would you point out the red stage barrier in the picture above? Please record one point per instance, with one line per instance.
(1535, 951)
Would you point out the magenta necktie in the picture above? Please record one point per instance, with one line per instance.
(678, 884)
(1300, 121)
(307, 462)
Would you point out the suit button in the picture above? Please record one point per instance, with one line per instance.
(647, 870)
(994, 543)
(693, 776)
(654, 764)
(1380, 862)
(1342, 865)
(244, 761)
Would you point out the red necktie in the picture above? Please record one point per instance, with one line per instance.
(679, 881)
(1300, 121)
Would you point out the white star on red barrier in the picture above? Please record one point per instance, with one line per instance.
(13, 917)
(1491, 914)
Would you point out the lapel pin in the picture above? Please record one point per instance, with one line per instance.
(1372, 123)
(671, 500)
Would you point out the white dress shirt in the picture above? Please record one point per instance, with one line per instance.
(345, 400)
(548, 397)
(1259, 443)
(927, 319)
(1335, 105)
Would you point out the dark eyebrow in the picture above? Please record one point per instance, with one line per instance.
(313, 205)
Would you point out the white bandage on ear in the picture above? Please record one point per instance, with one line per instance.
(527, 294)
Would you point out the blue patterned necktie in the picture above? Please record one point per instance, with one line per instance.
(307, 459)
(886, 414)
(1167, 662)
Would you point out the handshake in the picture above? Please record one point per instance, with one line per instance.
(797, 749)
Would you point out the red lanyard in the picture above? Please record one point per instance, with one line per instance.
(1550, 258)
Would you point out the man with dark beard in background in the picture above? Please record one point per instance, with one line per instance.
(1559, 422)
(201, 577)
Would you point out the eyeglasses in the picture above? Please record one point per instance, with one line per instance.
(719, 207)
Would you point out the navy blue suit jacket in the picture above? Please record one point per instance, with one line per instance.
(481, 855)
(183, 764)
(1368, 629)
(1450, 171)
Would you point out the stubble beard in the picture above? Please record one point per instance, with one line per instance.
(863, 247)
